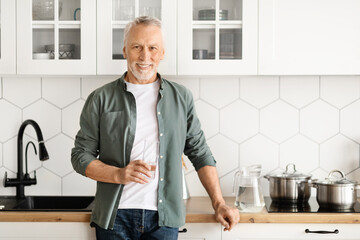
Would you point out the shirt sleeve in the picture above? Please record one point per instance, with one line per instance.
(196, 147)
(86, 147)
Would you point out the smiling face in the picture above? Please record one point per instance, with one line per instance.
(143, 51)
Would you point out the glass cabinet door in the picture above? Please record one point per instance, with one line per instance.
(7, 37)
(57, 36)
(113, 15)
(218, 37)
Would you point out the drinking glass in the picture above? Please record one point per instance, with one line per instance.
(151, 155)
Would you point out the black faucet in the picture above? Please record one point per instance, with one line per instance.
(22, 180)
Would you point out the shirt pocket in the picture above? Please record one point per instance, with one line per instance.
(112, 126)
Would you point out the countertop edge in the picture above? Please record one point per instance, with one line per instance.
(198, 210)
(45, 216)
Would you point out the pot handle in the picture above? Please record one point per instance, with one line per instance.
(330, 176)
(287, 167)
(313, 184)
(357, 187)
(310, 182)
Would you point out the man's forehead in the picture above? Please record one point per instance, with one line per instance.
(139, 35)
(143, 27)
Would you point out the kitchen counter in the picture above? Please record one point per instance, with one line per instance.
(199, 210)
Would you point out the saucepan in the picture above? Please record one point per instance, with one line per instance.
(290, 186)
(335, 192)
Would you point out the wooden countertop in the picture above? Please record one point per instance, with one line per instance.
(199, 210)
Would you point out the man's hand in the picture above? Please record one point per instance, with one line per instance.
(227, 216)
(136, 171)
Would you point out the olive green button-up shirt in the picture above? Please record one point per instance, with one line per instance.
(107, 131)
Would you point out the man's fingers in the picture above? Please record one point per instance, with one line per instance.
(223, 222)
(137, 177)
(228, 217)
(141, 167)
(140, 180)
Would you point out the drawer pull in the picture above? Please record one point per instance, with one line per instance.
(183, 231)
(322, 232)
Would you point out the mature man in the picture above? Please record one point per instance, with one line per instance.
(116, 121)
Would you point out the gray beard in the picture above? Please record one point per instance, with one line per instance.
(142, 77)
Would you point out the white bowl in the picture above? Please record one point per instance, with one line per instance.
(41, 55)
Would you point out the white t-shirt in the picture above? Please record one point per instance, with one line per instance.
(136, 195)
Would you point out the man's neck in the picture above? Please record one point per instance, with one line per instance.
(129, 77)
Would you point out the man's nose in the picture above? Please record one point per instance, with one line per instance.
(144, 54)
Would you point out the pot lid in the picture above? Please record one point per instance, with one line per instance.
(290, 174)
(332, 180)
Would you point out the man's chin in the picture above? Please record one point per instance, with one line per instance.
(144, 76)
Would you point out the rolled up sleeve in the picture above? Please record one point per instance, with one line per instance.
(86, 147)
(196, 147)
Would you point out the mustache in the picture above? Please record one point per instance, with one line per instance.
(143, 63)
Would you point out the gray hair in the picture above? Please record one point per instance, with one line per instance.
(144, 20)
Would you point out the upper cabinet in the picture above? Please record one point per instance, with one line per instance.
(113, 15)
(7, 37)
(56, 37)
(202, 37)
(302, 37)
(217, 37)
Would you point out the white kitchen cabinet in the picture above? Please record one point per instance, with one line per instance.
(290, 231)
(113, 15)
(46, 230)
(201, 231)
(217, 37)
(61, 41)
(7, 37)
(309, 37)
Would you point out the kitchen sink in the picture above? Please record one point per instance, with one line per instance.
(47, 203)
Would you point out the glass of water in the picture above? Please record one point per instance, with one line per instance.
(151, 155)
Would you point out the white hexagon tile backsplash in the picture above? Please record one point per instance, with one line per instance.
(9, 120)
(259, 91)
(312, 121)
(61, 95)
(209, 118)
(30, 90)
(299, 91)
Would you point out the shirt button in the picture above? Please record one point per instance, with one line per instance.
(161, 134)
(161, 156)
(161, 179)
(160, 201)
(158, 113)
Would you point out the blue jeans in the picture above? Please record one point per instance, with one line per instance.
(132, 224)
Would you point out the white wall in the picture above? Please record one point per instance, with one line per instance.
(312, 121)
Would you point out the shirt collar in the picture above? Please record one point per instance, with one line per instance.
(123, 84)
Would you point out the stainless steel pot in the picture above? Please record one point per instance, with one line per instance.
(336, 193)
(289, 187)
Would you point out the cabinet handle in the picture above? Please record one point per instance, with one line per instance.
(322, 232)
(183, 231)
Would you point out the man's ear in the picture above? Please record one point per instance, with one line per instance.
(124, 52)
(163, 55)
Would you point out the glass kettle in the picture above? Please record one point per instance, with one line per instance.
(247, 190)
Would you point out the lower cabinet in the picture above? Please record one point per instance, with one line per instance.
(194, 231)
(46, 230)
(264, 231)
(200, 231)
